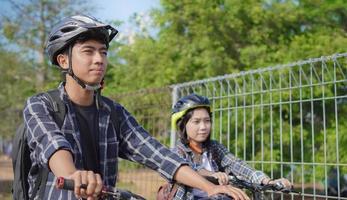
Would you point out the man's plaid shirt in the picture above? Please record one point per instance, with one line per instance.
(221, 161)
(134, 143)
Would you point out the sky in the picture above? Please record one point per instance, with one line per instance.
(122, 9)
(108, 9)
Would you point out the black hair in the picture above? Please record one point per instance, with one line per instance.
(181, 125)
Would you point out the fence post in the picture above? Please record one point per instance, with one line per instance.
(174, 96)
(1, 144)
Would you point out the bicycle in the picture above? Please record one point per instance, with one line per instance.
(257, 190)
(110, 193)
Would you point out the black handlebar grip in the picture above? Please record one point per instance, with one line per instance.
(67, 184)
(212, 179)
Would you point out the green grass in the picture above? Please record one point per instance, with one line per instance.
(6, 196)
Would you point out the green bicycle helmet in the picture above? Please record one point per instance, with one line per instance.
(185, 104)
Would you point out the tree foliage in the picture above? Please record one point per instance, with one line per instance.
(202, 39)
(28, 25)
(216, 37)
(17, 80)
(24, 69)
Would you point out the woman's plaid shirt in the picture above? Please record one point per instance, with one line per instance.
(221, 160)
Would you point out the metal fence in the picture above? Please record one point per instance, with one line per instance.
(287, 120)
(151, 108)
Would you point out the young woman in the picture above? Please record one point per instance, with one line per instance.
(191, 118)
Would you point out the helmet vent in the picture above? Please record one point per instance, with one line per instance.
(67, 29)
(54, 38)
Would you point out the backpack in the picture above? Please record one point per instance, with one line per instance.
(21, 161)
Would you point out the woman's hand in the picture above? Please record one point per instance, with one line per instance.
(91, 180)
(285, 182)
(235, 193)
(223, 178)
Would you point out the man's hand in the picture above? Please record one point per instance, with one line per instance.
(61, 164)
(223, 178)
(235, 193)
(91, 180)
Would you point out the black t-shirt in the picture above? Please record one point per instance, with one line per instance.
(88, 122)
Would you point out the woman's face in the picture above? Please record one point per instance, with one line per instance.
(198, 126)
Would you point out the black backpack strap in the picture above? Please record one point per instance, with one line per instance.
(58, 106)
(59, 111)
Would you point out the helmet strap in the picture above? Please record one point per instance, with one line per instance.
(78, 80)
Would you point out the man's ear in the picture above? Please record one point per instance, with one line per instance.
(63, 61)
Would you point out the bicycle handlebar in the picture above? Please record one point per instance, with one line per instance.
(253, 187)
(68, 184)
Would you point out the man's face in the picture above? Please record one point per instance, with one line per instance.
(89, 61)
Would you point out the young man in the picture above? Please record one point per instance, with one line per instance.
(87, 145)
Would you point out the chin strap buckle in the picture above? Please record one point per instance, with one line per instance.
(92, 87)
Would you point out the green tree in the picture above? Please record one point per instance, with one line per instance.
(28, 26)
(216, 37)
(24, 68)
(17, 82)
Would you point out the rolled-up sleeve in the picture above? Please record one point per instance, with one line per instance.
(43, 134)
(138, 145)
(236, 166)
